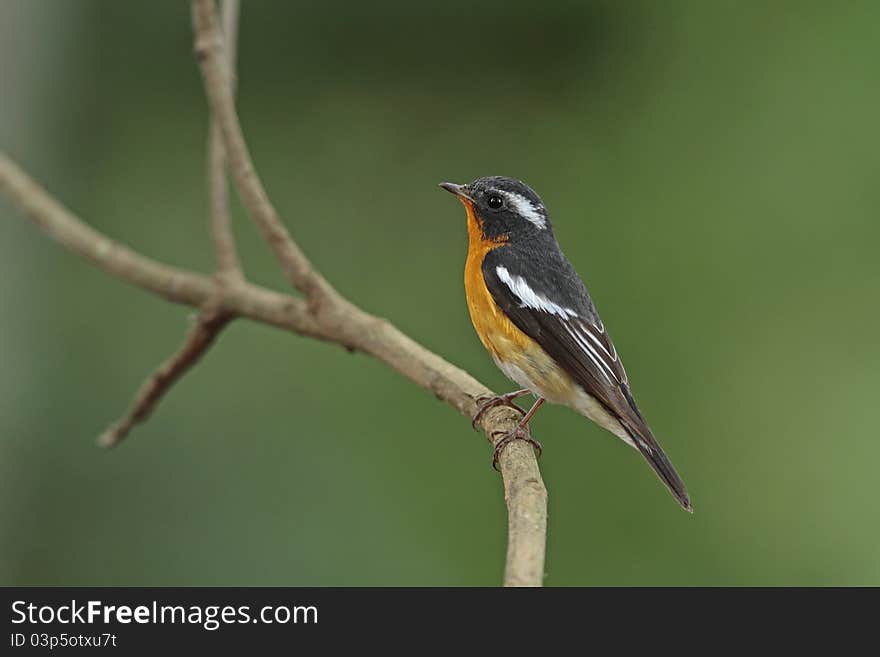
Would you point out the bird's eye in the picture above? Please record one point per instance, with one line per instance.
(495, 202)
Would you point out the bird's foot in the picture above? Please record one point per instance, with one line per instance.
(518, 433)
(485, 403)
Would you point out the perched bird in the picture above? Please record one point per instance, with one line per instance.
(533, 314)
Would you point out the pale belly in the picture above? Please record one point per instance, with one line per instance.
(540, 374)
(532, 368)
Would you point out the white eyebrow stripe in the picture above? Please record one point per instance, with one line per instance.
(529, 298)
(598, 361)
(526, 209)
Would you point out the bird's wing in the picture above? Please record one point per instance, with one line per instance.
(549, 303)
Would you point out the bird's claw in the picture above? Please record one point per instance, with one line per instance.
(485, 403)
(518, 433)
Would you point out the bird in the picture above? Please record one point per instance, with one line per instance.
(532, 312)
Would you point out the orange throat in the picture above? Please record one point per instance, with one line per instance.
(490, 323)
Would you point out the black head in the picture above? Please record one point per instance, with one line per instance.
(503, 207)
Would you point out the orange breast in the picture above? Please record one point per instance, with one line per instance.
(498, 334)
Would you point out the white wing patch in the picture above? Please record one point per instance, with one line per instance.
(526, 209)
(528, 298)
(585, 334)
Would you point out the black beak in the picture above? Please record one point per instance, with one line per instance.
(459, 190)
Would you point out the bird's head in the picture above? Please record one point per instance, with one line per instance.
(503, 208)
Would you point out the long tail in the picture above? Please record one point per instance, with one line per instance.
(659, 462)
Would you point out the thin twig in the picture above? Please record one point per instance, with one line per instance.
(201, 336)
(228, 264)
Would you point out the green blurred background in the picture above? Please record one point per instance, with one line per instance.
(711, 169)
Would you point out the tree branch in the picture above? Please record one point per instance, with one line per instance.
(525, 494)
(228, 265)
(324, 314)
